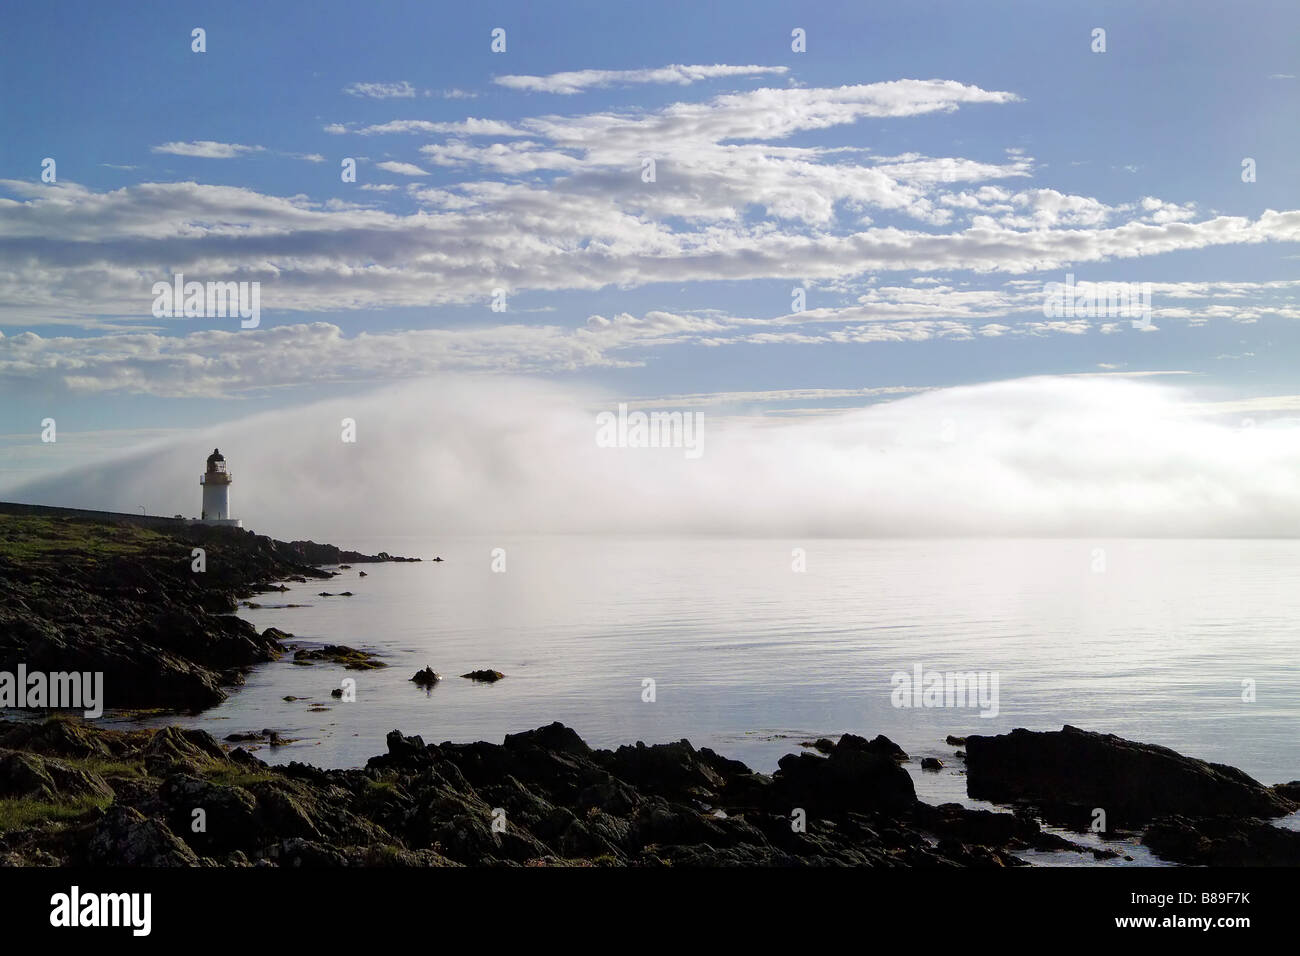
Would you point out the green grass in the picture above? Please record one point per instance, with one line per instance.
(235, 777)
(107, 768)
(19, 812)
(37, 540)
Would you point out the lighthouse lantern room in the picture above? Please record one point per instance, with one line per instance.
(216, 492)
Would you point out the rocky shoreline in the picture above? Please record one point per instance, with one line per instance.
(85, 595)
(74, 794)
(76, 594)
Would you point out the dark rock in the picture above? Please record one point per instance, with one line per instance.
(931, 763)
(1290, 791)
(542, 797)
(401, 747)
(1068, 772)
(880, 745)
(124, 837)
(173, 749)
(487, 676)
(349, 657)
(676, 769)
(852, 778)
(987, 827)
(48, 778)
(1223, 841)
(59, 738)
(161, 635)
(424, 678)
(554, 736)
(306, 853)
(230, 817)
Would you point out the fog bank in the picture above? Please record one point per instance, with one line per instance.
(1043, 456)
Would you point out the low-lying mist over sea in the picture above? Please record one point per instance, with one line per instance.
(1085, 455)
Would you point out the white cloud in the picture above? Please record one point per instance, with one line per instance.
(403, 169)
(578, 81)
(217, 363)
(381, 91)
(558, 203)
(207, 149)
(470, 126)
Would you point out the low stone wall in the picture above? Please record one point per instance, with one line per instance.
(117, 517)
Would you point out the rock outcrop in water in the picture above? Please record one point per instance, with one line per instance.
(309, 552)
(1189, 811)
(1067, 774)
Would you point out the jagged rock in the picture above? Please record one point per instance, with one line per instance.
(24, 775)
(230, 813)
(554, 736)
(57, 738)
(401, 747)
(541, 797)
(283, 811)
(172, 749)
(1068, 772)
(124, 837)
(1223, 841)
(987, 827)
(47, 778)
(880, 745)
(675, 769)
(486, 676)
(425, 678)
(931, 763)
(851, 778)
(1290, 791)
(298, 852)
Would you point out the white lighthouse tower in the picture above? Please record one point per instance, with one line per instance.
(216, 492)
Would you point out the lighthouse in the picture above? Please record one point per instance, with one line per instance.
(216, 492)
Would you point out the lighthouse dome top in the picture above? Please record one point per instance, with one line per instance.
(216, 456)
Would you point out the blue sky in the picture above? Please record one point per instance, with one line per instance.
(921, 170)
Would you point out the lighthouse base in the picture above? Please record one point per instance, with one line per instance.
(223, 522)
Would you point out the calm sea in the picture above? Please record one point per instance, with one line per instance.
(1155, 640)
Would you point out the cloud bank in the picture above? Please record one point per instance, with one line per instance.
(1082, 456)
